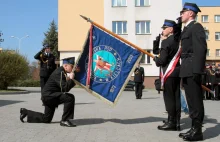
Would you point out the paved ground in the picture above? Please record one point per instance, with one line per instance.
(130, 120)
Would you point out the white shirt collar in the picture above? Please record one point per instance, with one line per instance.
(188, 22)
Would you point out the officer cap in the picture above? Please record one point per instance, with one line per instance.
(46, 45)
(190, 6)
(213, 63)
(168, 23)
(70, 60)
(206, 64)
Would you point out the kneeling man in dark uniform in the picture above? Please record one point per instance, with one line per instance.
(53, 94)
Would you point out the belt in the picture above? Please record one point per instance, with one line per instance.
(186, 55)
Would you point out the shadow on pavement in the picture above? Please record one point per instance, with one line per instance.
(212, 132)
(150, 98)
(84, 103)
(122, 121)
(8, 102)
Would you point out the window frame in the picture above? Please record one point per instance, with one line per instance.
(216, 19)
(121, 3)
(208, 53)
(146, 59)
(217, 33)
(146, 33)
(122, 27)
(135, 3)
(202, 18)
(217, 52)
(207, 34)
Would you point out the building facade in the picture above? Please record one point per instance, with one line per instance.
(210, 20)
(138, 21)
(72, 28)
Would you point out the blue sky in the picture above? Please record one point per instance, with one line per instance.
(32, 17)
(26, 17)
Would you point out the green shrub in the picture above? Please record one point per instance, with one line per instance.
(26, 83)
(13, 66)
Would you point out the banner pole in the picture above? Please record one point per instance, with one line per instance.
(115, 35)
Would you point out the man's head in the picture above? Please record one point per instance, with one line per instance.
(168, 27)
(68, 64)
(213, 64)
(189, 12)
(47, 48)
(207, 65)
(218, 66)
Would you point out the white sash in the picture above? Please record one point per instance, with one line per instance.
(170, 67)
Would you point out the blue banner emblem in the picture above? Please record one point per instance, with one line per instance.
(113, 62)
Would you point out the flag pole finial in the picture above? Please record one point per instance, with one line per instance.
(85, 18)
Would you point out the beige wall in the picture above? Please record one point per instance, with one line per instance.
(212, 28)
(72, 28)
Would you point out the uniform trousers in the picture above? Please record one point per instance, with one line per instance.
(217, 92)
(172, 96)
(68, 111)
(138, 89)
(43, 81)
(194, 97)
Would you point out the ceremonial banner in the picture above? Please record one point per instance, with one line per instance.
(105, 65)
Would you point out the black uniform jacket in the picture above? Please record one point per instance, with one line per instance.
(139, 75)
(47, 63)
(194, 48)
(56, 85)
(169, 47)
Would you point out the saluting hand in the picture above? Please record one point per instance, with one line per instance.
(71, 75)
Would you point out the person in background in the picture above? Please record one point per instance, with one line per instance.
(47, 64)
(139, 80)
(184, 104)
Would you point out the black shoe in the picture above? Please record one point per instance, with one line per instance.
(67, 124)
(167, 127)
(195, 135)
(181, 135)
(164, 121)
(23, 114)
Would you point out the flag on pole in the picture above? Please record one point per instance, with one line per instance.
(105, 65)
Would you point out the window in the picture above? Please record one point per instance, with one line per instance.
(145, 56)
(217, 36)
(205, 18)
(142, 2)
(119, 27)
(218, 52)
(207, 34)
(208, 52)
(142, 27)
(217, 18)
(116, 3)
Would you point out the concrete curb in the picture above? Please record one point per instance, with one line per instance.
(14, 92)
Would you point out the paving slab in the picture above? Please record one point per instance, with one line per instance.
(131, 120)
